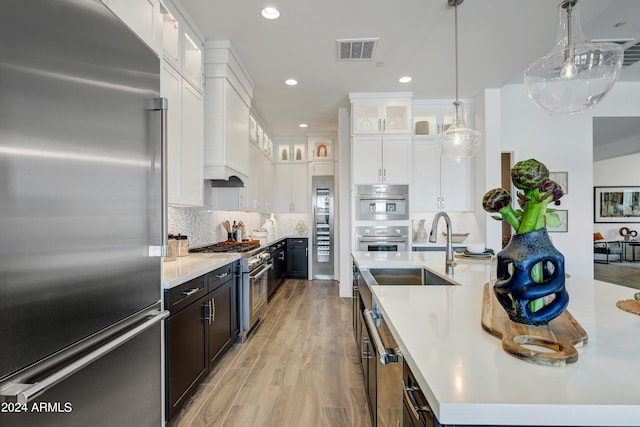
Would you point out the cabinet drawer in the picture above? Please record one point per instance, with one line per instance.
(220, 276)
(181, 296)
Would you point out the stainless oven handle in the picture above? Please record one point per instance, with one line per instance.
(385, 357)
(261, 272)
(381, 198)
(383, 239)
(22, 393)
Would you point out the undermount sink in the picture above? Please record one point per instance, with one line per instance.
(408, 276)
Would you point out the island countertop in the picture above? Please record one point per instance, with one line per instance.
(469, 379)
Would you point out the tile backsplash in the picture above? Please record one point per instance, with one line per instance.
(203, 225)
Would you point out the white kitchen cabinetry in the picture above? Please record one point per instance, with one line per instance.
(185, 139)
(381, 159)
(430, 117)
(260, 192)
(292, 194)
(143, 17)
(438, 184)
(181, 46)
(374, 113)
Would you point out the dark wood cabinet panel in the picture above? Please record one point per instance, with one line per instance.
(219, 326)
(297, 258)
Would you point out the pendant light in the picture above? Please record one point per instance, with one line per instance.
(576, 74)
(458, 143)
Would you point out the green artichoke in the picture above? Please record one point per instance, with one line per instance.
(529, 174)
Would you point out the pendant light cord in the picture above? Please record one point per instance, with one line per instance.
(457, 103)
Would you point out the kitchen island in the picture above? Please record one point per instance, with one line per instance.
(467, 377)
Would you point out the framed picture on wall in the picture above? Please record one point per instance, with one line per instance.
(564, 222)
(616, 204)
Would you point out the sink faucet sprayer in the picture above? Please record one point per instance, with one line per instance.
(449, 261)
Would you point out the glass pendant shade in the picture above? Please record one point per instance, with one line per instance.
(458, 143)
(576, 74)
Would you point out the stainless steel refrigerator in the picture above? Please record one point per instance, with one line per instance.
(81, 218)
(322, 264)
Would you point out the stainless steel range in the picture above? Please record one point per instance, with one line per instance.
(253, 293)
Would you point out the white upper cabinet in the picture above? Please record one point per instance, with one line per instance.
(381, 159)
(182, 85)
(376, 113)
(292, 192)
(185, 139)
(181, 46)
(430, 117)
(143, 17)
(438, 184)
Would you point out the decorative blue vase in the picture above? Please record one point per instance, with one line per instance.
(515, 288)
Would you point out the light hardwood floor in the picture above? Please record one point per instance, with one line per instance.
(299, 368)
(617, 273)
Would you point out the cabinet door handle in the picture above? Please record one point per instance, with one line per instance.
(220, 276)
(190, 292)
(380, 175)
(384, 124)
(411, 402)
(384, 174)
(213, 310)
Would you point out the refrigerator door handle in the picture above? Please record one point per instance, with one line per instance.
(315, 225)
(162, 105)
(22, 393)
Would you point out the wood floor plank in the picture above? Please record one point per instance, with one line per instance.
(299, 368)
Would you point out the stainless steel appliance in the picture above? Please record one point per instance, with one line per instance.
(255, 284)
(380, 359)
(255, 266)
(382, 202)
(381, 238)
(81, 218)
(322, 265)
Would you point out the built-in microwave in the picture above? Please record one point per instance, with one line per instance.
(382, 202)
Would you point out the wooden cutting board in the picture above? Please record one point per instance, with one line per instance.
(560, 337)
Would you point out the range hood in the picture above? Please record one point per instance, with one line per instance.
(232, 182)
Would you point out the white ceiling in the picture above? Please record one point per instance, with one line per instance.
(498, 39)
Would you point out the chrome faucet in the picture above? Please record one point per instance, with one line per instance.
(449, 261)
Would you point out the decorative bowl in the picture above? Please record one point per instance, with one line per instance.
(457, 237)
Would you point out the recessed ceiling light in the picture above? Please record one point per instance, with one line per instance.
(270, 13)
(405, 79)
(291, 82)
(303, 125)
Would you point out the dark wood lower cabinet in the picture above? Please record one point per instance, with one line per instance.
(186, 353)
(219, 324)
(202, 325)
(297, 258)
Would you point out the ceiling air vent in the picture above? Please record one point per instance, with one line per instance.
(631, 55)
(356, 49)
(631, 50)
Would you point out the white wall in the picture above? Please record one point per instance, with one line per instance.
(619, 171)
(564, 143)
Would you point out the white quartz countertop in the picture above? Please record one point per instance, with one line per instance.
(183, 269)
(469, 379)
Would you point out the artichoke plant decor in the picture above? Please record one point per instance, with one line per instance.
(530, 273)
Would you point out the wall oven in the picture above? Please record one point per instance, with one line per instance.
(382, 238)
(382, 202)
